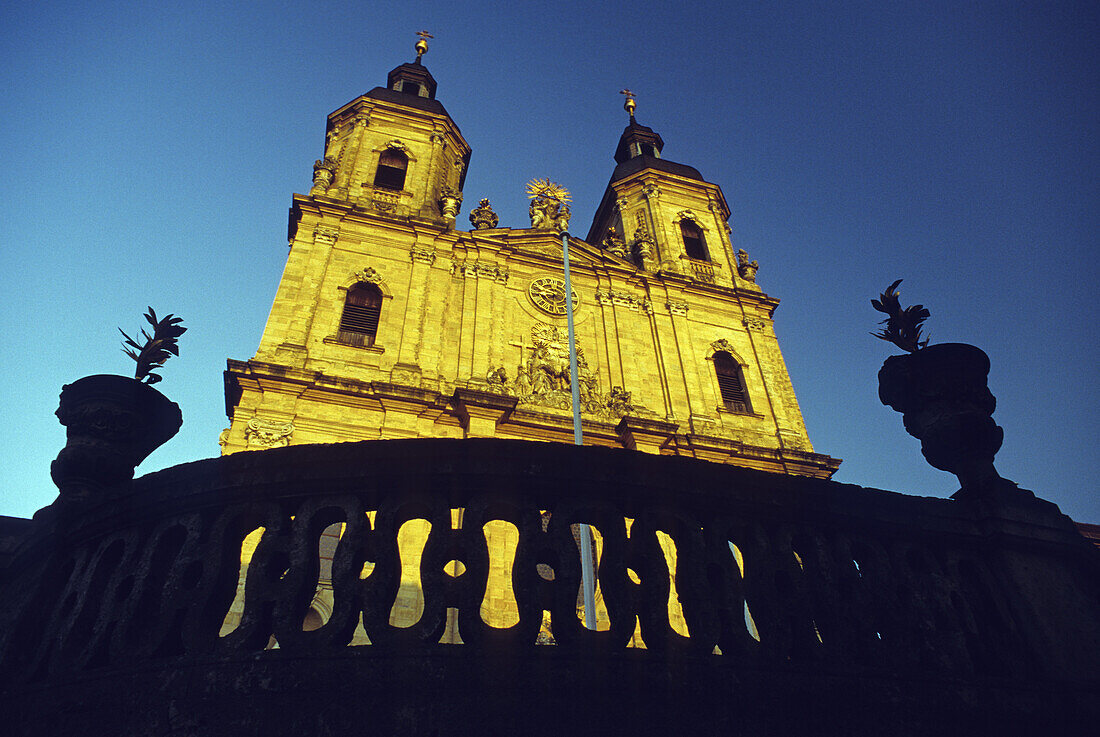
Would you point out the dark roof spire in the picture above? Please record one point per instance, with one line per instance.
(637, 140)
(414, 78)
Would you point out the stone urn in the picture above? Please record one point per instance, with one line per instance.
(942, 394)
(112, 424)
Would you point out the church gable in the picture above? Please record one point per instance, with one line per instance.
(391, 322)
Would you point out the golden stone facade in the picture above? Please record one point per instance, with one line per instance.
(391, 322)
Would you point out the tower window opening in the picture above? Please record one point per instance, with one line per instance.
(359, 322)
(650, 150)
(694, 245)
(730, 384)
(410, 88)
(392, 165)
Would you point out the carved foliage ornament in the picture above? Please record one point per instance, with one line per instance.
(261, 433)
(721, 345)
(548, 294)
(368, 275)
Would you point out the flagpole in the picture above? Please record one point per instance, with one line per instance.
(587, 569)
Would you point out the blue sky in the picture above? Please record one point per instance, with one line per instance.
(150, 151)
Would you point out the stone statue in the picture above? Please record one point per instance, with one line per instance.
(747, 269)
(614, 243)
(549, 209)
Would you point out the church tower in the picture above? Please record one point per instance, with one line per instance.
(390, 322)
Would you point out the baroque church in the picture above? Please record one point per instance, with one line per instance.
(392, 321)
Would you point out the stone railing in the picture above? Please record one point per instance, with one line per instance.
(764, 602)
(700, 270)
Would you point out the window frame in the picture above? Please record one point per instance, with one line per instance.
(386, 174)
(699, 237)
(732, 398)
(365, 299)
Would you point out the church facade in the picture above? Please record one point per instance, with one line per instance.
(391, 322)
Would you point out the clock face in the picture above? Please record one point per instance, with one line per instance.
(548, 294)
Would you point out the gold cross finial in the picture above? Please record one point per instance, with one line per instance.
(422, 44)
(629, 105)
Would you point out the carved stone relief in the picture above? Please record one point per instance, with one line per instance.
(722, 345)
(479, 270)
(543, 380)
(325, 236)
(422, 255)
(677, 308)
(624, 299)
(384, 201)
(755, 323)
(261, 434)
(369, 275)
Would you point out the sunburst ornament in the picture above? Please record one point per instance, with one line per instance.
(544, 189)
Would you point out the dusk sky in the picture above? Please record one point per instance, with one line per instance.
(150, 150)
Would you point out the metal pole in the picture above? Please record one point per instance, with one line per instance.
(588, 573)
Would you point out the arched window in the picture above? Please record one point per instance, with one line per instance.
(694, 244)
(730, 384)
(362, 308)
(392, 165)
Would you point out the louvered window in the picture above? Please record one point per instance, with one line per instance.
(694, 245)
(730, 384)
(392, 165)
(362, 308)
